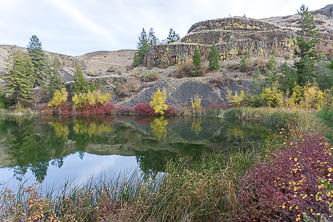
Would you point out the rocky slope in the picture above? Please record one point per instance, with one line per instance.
(234, 38)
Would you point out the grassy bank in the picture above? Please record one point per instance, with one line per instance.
(217, 187)
(25, 113)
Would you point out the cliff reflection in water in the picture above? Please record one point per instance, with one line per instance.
(36, 144)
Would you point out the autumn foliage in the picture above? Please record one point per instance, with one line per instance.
(292, 186)
(158, 102)
(59, 97)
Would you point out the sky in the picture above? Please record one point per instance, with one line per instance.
(75, 27)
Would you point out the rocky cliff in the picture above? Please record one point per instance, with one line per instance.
(238, 36)
(234, 37)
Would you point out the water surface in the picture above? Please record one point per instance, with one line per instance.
(54, 151)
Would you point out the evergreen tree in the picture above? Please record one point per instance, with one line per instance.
(213, 58)
(172, 36)
(287, 80)
(152, 39)
(143, 47)
(39, 61)
(196, 62)
(55, 83)
(19, 79)
(81, 85)
(306, 42)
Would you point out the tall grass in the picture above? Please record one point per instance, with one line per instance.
(301, 119)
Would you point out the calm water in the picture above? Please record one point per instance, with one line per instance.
(54, 151)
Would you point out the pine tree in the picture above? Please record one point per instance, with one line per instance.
(172, 36)
(306, 42)
(18, 79)
(152, 39)
(143, 47)
(39, 61)
(81, 85)
(213, 58)
(197, 62)
(55, 83)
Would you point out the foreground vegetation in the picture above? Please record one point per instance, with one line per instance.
(289, 177)
(286, 178)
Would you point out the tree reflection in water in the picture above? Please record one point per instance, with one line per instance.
(34, 145)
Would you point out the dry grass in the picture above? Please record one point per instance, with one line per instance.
(132, 85)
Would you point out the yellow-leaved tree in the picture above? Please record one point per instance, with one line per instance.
(236, 99)
(196, 105)
(272, 97)
(314, 98)
(59, 96)
(79, 100)
(158, 102)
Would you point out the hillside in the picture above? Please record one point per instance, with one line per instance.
(234, 38)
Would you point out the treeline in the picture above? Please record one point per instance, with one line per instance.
(33, 77)
(26, 71)
(147, 41)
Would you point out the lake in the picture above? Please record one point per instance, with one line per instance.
(53, 151)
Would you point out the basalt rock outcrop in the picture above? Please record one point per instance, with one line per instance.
(234, 37)
(238, 36)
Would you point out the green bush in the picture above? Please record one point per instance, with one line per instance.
(150, 77)
(197, 63)
(213, 58)
(91, 74)
(254, 101)
(111, 69)
(2, 102)
(272, 64)
(245, 63)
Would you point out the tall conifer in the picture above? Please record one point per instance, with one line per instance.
(19, 79)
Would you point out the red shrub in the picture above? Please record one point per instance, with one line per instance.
(123, 110)
(143, 109)
(291, 184)
(108, 107)
(65, 109)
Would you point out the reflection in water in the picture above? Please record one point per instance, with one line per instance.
(196, 126)
(33, 146)
(235, 133)
(159, 128)
(60, 129)
(91, 129)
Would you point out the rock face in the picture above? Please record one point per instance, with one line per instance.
(234, 37)
(238, 36)
(181, 91)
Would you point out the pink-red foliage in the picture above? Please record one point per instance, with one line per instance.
(67, 109)
(108, 107)
(290, 184)
(143, 109)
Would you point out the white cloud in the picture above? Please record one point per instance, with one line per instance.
(79, 26)
(81, 19)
